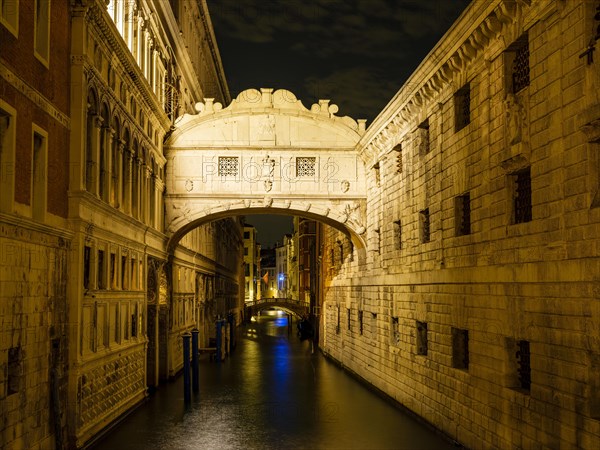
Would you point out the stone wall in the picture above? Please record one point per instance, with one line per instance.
(33, 348)
(486, 323)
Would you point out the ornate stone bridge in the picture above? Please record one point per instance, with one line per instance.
(265, 153)
(296, 307)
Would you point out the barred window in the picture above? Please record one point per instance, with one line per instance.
(306, 166)
(523, 364)
(86, 266)
(348, 319)
(423, 137)
(228, 166)
(377, 173)
(462, 107)
(462, 211)
(399, 162)
(460, 348)
(397, 235)
(360, 322)
(395, 334)
(421, 338)
(425, 225)
(519, 64)
(100, 274)
(522, 196)
(14, 370)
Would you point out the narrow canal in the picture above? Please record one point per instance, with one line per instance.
(272, 393)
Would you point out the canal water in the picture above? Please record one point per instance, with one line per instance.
(272, 393)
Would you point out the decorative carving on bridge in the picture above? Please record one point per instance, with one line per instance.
(352, 215)
(281, 99)
(178, 212)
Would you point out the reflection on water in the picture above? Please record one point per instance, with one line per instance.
(271, 394)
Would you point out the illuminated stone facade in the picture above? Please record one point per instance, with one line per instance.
(476, 303)
(251, 264)
(459, 258)
(35, 239)
(94, 302)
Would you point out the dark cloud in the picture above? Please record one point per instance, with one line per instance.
(357, 51)
(358, 91)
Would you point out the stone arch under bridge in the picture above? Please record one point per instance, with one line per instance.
(265, 153)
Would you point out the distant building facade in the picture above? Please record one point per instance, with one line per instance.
(268, 273)
(252, 267)
(282, 266)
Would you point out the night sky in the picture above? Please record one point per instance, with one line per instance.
(357, 53)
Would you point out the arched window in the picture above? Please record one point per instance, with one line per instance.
(135, 180)
(114, 164)
(103, 157)
(90, 157)
(153, 221)
(126, 171)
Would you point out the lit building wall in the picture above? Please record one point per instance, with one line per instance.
(475, 304)
(35, 236)
(251, 264)
(88, 92)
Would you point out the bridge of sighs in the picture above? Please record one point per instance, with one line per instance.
(265, 153)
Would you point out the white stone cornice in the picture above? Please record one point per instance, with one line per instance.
(33, 95)
(463, 44)
(268, 103)
(99, 16)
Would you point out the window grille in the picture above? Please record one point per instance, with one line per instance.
(348, 319)
(524, 365)
(14, 370)
(100, 280)
(463, 214)
(395, 331)
(337, 327)
(425, 226)
(377, 173)
(360, 322)
(399, 162)
(421, 338)
(460, 348)
(124, 273)
(423, 136)
(306, 166)
(113, 271)
(520, 67)
(522, 196)
(228, 166)
(86, 266)
(462, 107)
(398, 235)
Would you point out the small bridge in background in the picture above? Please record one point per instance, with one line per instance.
(296, 307)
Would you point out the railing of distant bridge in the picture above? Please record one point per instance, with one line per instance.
(283, 302)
